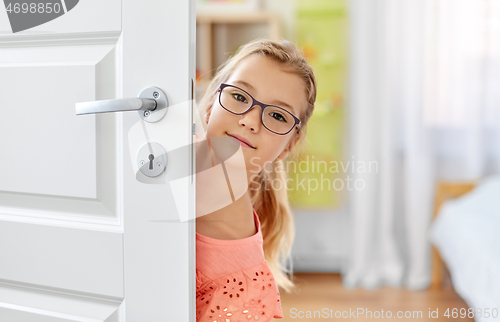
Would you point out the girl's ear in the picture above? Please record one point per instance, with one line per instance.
(289, 148)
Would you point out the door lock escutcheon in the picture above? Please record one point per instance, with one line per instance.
(151, 159)
(151, 105)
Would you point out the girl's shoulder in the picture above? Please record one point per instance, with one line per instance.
(234, 281)
(217, 257)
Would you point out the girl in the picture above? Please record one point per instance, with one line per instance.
(261, 98)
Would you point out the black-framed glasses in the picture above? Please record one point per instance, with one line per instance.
(274, 118)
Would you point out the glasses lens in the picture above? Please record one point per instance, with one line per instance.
(277, 119)
(235, 100)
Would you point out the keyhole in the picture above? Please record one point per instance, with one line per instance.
(151, 157)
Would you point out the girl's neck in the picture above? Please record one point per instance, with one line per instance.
(234, 221)
(239, 210)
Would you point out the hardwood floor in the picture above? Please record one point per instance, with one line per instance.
(325, 294)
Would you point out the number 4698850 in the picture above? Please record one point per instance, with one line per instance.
(34, 7)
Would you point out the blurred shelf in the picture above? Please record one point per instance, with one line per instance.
(246, 17)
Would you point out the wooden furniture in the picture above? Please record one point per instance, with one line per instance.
(445, 190)
(207, 40)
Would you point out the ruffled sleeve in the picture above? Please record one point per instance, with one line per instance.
(248, 295)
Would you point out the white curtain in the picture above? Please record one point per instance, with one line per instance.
(424, 104)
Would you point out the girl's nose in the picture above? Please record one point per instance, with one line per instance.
(251, 119)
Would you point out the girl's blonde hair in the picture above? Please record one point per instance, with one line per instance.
(271, 204)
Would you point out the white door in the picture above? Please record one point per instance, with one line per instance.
(81, 238)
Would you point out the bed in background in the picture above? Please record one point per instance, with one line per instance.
(465, 234)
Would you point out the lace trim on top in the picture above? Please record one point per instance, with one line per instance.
(251, 294)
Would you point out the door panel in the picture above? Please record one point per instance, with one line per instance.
(81, 239)
(64, 142)
(61, 256)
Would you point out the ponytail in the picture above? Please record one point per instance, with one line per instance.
(269, 198)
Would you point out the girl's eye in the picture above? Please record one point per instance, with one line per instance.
(239, 97)
(278, 116)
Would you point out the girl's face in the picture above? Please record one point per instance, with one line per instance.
(268, 82)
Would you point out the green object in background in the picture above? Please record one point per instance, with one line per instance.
(322, 34)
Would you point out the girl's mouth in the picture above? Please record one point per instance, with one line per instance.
(243, 142)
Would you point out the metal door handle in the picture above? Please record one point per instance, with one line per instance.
(151, 105)
(116, 105)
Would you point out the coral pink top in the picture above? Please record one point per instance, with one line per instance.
(233, 280)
